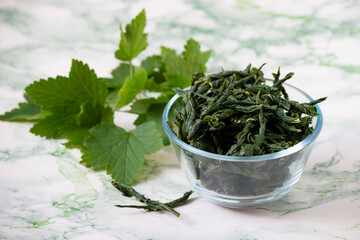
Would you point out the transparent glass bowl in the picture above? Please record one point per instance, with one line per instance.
(239, 182)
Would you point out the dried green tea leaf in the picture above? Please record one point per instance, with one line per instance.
(151, 205)
(236, 113)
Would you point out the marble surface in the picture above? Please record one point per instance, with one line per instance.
(47, 194)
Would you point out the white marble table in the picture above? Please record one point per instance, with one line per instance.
(47, 194)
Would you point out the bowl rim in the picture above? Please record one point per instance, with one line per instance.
(291, 150)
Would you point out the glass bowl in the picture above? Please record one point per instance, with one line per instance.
(239, 182)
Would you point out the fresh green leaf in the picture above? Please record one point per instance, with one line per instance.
(52, 125)
(134, 40)
(155, 68)
(152, 63)
(174, 80)
(119, 75)
(76, 101)
(165, 52)
(120, 152)
(131, 87)
(142, 105)
(154, 113)
(192, 53)
(152, 86)
(27, 111)
(92, 113)
(81, 86)
(76, 136)
(151, 109)
(192, 60)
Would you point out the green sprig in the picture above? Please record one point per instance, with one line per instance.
(80, 107)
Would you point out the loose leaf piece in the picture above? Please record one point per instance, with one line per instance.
(179, 68)
(120, 152)
(151, 205)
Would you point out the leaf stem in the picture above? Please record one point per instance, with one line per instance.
(131, 69)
